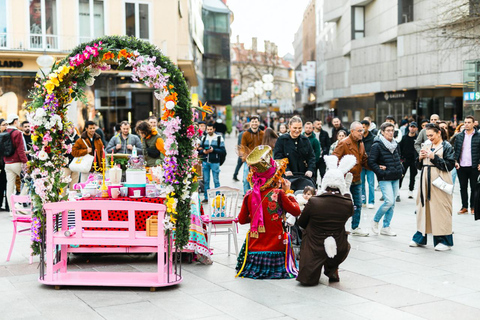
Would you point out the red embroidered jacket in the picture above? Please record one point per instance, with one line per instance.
(274, 203)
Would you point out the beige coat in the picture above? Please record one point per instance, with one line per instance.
(435, 217)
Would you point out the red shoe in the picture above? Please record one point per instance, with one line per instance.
(463, 211)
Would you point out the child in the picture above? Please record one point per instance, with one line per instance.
(302, 200)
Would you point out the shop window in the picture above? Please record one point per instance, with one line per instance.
(214, 91)
(137, 20)
(91, 19)
(405, 11)
(3, 23)
(43, 24)
(358, 22)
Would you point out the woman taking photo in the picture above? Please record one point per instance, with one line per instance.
(434, 206)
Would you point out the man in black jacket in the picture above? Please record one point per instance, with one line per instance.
(409, 154)
(297, 148)
(367, 175)
(467, 162)
(384, 159)
(337, 126)
(325, 143)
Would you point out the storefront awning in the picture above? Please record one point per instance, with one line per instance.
(188, 69)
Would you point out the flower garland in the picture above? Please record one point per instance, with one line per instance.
(47, 113)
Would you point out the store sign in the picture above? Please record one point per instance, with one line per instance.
(471, 96)
(11, 64)
(394, 95)
(397, 95)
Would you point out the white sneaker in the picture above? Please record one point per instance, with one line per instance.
(442, 247)
(359, 233)
(414, 244)
(371, 206)
(410, 194)
(388, 232)
(375, 227)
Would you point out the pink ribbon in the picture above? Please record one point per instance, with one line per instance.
(258, 180)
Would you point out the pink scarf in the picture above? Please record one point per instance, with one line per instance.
(258, 180)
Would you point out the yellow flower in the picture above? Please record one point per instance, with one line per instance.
(55, 81)
(49, 86)
(173, 219)
(34, 138)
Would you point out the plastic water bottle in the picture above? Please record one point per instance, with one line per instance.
(134, 151)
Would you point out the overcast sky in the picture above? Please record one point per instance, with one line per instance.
(274, 20)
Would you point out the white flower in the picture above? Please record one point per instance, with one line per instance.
(170, 105)
(95, 72)
(90, 81)
(42, 155)
(40, 113)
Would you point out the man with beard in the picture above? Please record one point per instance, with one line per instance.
(308, 132)
(27, 137)
(337, 126)
(251, 138)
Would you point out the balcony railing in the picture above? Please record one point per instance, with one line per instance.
(37, 42)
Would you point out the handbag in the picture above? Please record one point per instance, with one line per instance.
(82, 164)
(442, 184)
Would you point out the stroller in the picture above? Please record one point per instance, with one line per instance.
(299, 181)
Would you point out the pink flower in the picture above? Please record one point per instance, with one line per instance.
(275, 197)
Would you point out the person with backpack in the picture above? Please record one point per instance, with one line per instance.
(213, 153)
(13, 151)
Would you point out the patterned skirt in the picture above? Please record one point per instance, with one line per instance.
(263, 265)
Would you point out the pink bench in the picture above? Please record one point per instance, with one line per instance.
(129, 239)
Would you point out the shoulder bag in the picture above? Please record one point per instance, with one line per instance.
(82, 164)
(442, 184)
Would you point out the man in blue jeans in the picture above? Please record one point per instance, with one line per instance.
(211, 148)
(384, 159)
(353, 145)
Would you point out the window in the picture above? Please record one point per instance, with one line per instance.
(216, 22)
(213, 44)
(3, 23)
(137, 21)
(405, 11)
(214, 91)
(91, 25)
(43, 24)
(358, 22)
(217, 69)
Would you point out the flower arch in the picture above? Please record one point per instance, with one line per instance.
(47, 112)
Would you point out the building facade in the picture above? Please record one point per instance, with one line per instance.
(217, 18)
(378, 58)
(36, 32)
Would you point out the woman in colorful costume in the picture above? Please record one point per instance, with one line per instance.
(267, 253)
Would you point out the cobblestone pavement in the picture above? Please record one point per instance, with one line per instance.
(383, 278)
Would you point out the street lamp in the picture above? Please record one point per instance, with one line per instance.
(268, 87)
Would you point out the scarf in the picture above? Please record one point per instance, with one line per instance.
(391, 146)
(258, 180)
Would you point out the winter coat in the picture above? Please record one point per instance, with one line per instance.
(348, 146)
(324, 215)
(380, 155)
(368, 141)
(17, 140)
(118, 139)
(407, 148)
(316, 146)
(80, 149)
(434, 207)
(475, 147)
(324, 142)
(299, 152)
(213, 157)
(252, 139)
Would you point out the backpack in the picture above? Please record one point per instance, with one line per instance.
(222, 155)
(7, 149)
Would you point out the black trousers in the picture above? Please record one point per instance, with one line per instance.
(413, 173)
(321, 167)
(466, 174)
(237, 168)
(3, 189)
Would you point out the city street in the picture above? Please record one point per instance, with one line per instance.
(382, 278)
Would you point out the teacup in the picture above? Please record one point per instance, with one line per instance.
(115, 193)
(136, 193)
